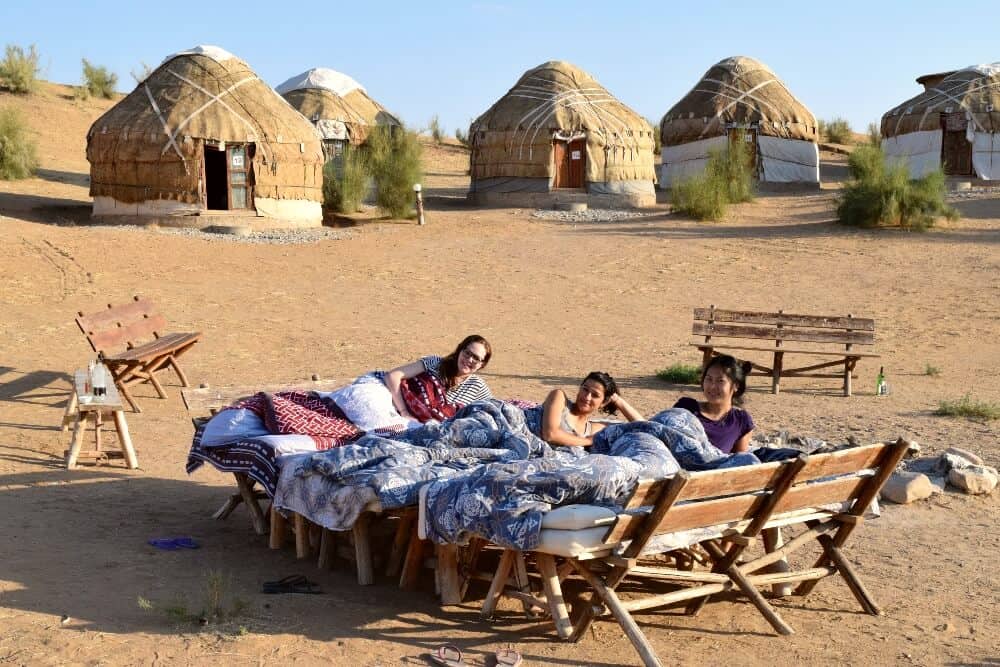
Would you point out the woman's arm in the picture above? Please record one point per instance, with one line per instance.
(552, 430)
(395, 377)
(743, 444)
(630, 413)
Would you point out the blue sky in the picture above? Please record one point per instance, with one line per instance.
(454, 59)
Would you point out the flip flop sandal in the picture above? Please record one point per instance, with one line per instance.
(508, 657)
(292, 584)
(186, 543)
(173, 543)
(447, 655)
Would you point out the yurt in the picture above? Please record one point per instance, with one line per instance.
(203, 135)
(337, 105)
(740, 99)
(559, 132)
(954, 124)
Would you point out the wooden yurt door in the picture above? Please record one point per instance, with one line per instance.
(228, 183)
(570, 161)
(956, 151)
(748, 137)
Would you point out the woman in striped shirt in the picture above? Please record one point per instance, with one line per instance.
(456, 372)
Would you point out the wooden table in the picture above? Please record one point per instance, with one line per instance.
(84, 408)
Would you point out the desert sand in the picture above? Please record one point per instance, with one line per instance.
(556, 300)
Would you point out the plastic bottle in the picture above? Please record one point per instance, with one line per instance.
(100, 380)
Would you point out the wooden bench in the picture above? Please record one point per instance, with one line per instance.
(724, 512)
(134, 345)
(819, 331)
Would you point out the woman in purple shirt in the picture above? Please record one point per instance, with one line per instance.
(723, 382)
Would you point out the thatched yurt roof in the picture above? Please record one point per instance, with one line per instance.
(513, 138)
(975, 90)
(149, 146)
(742, 91)
(336, 104)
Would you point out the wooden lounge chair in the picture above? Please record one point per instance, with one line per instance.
(722, 512)
(133, 342)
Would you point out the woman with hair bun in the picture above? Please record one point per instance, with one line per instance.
(723, 382)
(572, 423)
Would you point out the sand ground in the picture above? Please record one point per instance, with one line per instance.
(556, 300)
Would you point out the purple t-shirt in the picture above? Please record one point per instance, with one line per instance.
(726, 431)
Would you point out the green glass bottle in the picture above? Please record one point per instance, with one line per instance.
(880, 382)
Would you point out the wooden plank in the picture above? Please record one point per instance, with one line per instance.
(774, 333)
(841, 462)
(116, 316)
(822, 353)
(821, 493)
(786, 319)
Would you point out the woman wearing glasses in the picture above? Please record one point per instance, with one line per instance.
(456, 372)
(573, 422)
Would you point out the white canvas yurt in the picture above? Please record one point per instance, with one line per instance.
(953, 124)
(337, 105)
(203, 134)
(740, 99)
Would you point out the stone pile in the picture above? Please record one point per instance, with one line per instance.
(591, 215)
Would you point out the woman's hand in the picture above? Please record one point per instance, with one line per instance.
(630, 413)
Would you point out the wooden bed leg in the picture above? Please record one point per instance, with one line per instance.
(758, 600)
(523, 584)
(278, 526)
(249, 497)
(772, 540)
(447, 569)
(363, 549)
(327, 547)
(847, 571)
(498, 583)
(301, 526)
(69, 416)
(160, 391)
(413, 563)
(177, 369)
(468, 557)
(554, 595)
(632, 631)
(399, 544)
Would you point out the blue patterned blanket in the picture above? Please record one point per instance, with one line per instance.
(489, 474)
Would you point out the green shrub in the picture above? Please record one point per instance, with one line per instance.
(434, 127)
(874, 134)
(345, 181)
(837, 131)
(681, 374)
(657, 145)
(98, 80)
(18, 153)
(932, 371)
(462, 137)
(81, 93)
(727, 179)
(967, 407)
(19, 69)
(884, 196)
(393, 158)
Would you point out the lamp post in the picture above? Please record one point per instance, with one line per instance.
(419, 203)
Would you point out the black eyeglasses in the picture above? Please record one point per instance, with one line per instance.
(473, 356)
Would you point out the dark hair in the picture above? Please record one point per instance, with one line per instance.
(449, 365)
(609, 385)
(735, 369)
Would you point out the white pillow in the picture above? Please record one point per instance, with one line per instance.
(576, 517)
(369, 406)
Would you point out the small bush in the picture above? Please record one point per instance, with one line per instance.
(932, 371)
(967, 407)
(837, 131)
(18, 153)
(728, 179)
(657, 144)
(434, 127)
(81, 93)
(345, 181)
(462, 137)
(874, 135)
(884, 196)
(393, 157)
(19, 69)
(98, 80)
(680, 374)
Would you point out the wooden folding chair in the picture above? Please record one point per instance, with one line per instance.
(132, 341)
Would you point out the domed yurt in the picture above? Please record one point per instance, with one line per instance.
(558, 134)
(740, 99)
(203, 135)
(954, 124)
(337, 105)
